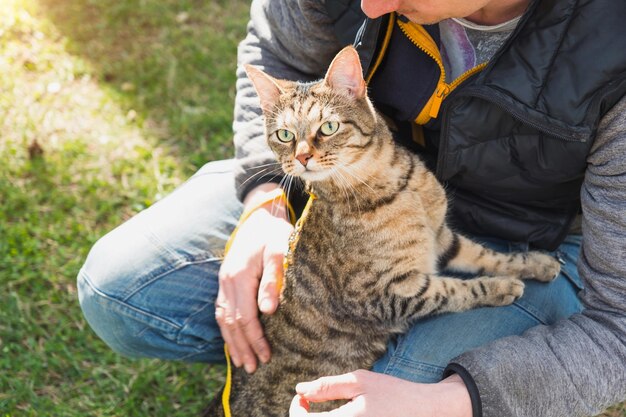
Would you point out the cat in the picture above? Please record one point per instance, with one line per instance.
(367, 259)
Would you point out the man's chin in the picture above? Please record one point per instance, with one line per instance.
(421, 19)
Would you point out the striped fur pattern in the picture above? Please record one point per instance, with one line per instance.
(369, 257)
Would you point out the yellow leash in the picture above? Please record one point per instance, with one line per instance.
(276, 195)
(293, 241)
(227, 385)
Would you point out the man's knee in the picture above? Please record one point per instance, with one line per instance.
(126, 289)
(114, 269)
(107, 323)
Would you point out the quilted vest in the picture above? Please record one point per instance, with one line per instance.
(511, 141)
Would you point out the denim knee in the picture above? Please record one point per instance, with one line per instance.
(148, 288)
(128, 293)
(106, 279)
(119, 332)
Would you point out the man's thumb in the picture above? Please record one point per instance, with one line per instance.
(270, 285)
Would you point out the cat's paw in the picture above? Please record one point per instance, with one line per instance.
(540, 267)
(504, 290)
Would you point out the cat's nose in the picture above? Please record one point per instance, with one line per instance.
(304, 158)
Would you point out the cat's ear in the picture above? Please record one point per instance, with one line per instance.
(267, 88)
(345, 73)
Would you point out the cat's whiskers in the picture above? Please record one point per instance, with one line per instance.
(286, 183)
(266, 165)
(336, 177)
(273, 172)
(350, 170)
(287, 167)
(288, 191)
(329, 162)
(274, 209)
(346, 185)
(281, 184)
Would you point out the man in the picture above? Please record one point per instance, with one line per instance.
(524, 120)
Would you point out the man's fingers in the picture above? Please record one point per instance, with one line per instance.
(268, 287)
(340, 387)
(246, 355)
(240, 296)
(246, 329)
(250, 326)
(237, 317)
(225, 314)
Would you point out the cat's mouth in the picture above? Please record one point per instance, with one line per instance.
(311, 175)
(310, 172)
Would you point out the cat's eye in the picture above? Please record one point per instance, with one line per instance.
(328, 128)
(284, 135)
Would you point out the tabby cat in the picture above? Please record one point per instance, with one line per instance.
(367, 259)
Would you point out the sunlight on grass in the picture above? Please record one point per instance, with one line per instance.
(88, 137)
(58, 107)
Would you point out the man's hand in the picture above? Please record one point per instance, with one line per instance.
(377, 395)
(248, 280)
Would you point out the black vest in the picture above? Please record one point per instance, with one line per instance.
(511, 142)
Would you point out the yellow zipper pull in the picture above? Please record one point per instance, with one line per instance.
(440, 94)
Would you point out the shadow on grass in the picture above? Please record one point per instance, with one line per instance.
(170, 62)
(169, 67)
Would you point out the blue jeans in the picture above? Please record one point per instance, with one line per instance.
(148, 287)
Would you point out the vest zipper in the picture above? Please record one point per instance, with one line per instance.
(423, 41)
(383, 48)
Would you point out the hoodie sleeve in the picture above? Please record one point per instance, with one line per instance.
(289, 40)
(576, 367)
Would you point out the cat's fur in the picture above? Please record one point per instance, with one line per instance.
(368, 257)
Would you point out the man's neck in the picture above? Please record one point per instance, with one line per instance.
(498, 11)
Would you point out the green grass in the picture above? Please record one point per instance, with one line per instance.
(105, 106)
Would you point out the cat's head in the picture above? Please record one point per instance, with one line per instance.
(319, 130)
